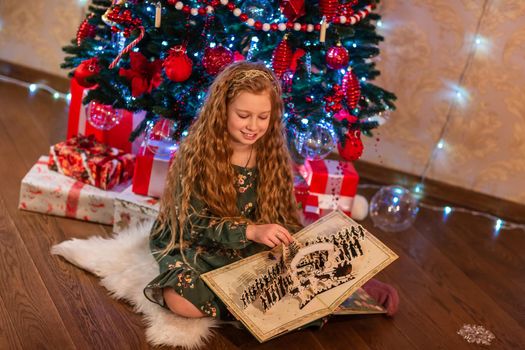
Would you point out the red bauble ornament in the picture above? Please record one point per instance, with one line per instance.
(351, 88)
(282, 57)
(86, 30)
(87, 69)
(328, 8)
(178, 65)
(353, 146)
(216, 58)
(337, 57)
(292, 9)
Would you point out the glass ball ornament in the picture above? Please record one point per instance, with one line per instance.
(159, 139)
(259, 10)
(103, 117)
(317, 142)
(292, 135)
(393, 209)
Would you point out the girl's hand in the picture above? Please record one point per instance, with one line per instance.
(384, 294)
(270, 235)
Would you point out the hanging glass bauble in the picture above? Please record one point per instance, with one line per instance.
(393, 209)
(160, 137)
(259, 10)
(292, 136)
(317, 142)
(103, 117)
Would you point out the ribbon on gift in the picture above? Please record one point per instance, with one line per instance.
(151, 170)
(117, 136)
(333, 182)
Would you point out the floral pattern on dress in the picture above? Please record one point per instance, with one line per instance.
(210, 242)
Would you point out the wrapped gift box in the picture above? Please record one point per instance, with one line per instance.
(151, 170)
(132, 210)
(117, 136)
(46, 191)
(333, 182)
(91, 162)
(300, 190)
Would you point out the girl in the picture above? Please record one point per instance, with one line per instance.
(229, 192)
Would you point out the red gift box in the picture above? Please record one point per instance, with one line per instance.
(150, 174)
(91, 162)
(333, 182)
(117, 136)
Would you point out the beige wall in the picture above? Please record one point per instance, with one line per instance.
(425, 55)
(32, 33)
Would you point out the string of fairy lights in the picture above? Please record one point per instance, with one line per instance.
(499, 224)
(440, 144)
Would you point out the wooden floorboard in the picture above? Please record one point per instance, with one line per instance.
(449, 272)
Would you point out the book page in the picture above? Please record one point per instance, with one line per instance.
(280, 290)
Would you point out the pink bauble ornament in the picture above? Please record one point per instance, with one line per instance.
(103, 117)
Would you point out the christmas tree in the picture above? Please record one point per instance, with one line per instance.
(161, 56)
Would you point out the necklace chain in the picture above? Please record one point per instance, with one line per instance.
(249, 158)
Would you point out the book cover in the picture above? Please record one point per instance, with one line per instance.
(277, 291)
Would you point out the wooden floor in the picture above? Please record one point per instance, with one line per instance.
(449, 273)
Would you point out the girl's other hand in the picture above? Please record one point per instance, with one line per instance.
(384, 294)
(270, 235)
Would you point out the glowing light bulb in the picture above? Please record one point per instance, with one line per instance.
(379, 23)
(56, 95)
(441, 144)
(33, 87)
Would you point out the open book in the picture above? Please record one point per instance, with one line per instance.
(277, 291)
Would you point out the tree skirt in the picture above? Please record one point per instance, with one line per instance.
(124, 264)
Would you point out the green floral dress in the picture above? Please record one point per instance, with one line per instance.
(212, 243)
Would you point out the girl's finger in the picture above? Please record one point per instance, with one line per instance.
(288, 237)
(269, 243)
(274, 240)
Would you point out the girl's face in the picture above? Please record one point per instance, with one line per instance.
(249, 117)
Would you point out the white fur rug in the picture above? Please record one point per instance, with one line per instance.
(125, 265)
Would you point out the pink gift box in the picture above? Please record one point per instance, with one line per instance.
(46, 191)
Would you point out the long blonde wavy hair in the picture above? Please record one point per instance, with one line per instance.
(202, 166)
